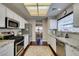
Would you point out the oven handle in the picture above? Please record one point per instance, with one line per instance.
(19, 42)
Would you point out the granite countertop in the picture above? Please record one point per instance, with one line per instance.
(4, 42)
(69, 41)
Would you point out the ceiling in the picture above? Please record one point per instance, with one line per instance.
(29, 10)
(57, 8)
(18, 8)
(37, 9)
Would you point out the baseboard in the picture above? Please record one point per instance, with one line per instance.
(55, 54)
(34, 43)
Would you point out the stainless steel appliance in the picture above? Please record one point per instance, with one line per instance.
(11, 23)
(19, 45)
(60, 48)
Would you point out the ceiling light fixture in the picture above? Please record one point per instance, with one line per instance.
(55, 9)
(36, 9)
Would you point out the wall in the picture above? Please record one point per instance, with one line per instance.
(45, 29)
(9, 30)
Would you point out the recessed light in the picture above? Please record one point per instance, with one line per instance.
(55, 9)
(59, 9)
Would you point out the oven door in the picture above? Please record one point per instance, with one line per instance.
(19, 46)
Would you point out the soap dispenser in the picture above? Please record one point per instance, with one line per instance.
(66, 36)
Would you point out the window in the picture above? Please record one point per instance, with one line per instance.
(66, 24)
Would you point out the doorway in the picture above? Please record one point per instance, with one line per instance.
(39, 34)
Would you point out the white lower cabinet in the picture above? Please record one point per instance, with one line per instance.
(70, 51)
(26, 41)
(7, 49)
(52, 42)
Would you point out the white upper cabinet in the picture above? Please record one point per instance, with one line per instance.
(16, 17)
(10, 13)
(52, 24)
(76, 14)
(22, 24)
(2, 15)
(6, 12)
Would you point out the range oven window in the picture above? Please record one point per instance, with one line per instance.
(12, 24)
(19, 47)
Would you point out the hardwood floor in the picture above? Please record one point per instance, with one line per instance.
(38, 50)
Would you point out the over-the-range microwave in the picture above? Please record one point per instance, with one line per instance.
(11, 23)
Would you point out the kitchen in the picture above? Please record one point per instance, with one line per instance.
(60, 28)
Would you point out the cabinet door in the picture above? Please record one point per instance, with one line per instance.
(16, 17)
(70, 51)
(7, 49)
(11, 49)
(52, 42)
(26, 41)
(4, 50)
(10, 13)
(76, 15)
(2, 15)
(22, 24)
(53, 24)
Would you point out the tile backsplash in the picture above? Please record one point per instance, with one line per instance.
(9, 30)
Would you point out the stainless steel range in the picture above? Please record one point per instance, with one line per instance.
(18, 44)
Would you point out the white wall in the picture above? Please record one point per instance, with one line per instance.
(45, 29)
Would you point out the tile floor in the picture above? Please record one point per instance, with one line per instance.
(38, 51)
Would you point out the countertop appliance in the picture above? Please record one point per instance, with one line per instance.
(11, 23)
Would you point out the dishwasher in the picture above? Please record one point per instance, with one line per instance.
(60, 48)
